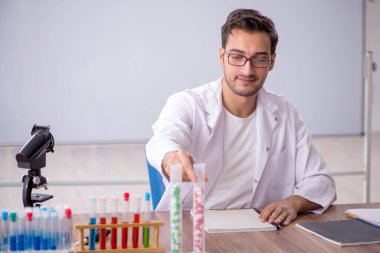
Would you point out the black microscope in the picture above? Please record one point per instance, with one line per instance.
(32, 156)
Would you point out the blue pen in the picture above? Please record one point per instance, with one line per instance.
(13, 232)
(367, 222)
(4, 226)
(37, 231)
(92, 222)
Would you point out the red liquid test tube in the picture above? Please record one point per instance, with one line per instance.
(114, 220)
(102, 220)
(136, 230)
(124, 232)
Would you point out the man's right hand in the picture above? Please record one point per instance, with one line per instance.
(179, 157)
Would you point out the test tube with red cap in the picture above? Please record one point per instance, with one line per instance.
(29, 229)
(136, 219)
(102, 220)
(67, 229)
(124, 232)
(114, 220)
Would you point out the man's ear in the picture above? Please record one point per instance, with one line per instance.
(221, 56)
(273, 60)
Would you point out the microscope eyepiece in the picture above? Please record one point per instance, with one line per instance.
(32, 154)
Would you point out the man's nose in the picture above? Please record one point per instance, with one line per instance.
(248, 67)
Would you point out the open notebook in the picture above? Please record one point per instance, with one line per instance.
(236, 220)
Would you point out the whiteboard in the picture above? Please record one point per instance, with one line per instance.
(100, 71)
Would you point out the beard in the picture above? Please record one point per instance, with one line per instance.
(247, 90)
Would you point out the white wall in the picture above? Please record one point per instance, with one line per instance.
(373, 44)
(100, 71)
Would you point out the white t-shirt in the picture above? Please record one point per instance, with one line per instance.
(235, 182)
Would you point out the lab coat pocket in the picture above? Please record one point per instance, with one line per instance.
(281, 173)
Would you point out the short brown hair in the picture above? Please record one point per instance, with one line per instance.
(251, 21)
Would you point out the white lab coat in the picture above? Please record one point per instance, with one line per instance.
(287, 162)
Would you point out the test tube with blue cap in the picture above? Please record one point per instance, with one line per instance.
(4, 227)
(146, 230)
(92, 239)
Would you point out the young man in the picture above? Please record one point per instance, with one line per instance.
(257, 150)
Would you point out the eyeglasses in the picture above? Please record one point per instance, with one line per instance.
(256, 61)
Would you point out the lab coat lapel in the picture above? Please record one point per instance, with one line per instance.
(265, 125)
(213, 155)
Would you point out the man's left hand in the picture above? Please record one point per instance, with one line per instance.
(285, 211)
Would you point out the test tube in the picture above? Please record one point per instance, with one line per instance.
(21, 231)
(146, 230)
(175, 208)
(102, 220)
(13, 232)
(124, 232)
(29, 229)
(136, 219)
(114, 220)
(199, 208)
(1, 234)
(37, 232)
(4, 226)
(54, 229)
(67, 229)
(92, 239)
(45, 240)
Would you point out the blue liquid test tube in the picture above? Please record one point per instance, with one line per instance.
(1, 234)
(28, 229)
(37, 231)
(45, 234)
(54, 229)
(21, 230)
(13, 232)
(92, 222)
(66, 231)
(4, 226)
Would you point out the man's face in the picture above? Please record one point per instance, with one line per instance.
(246, 80)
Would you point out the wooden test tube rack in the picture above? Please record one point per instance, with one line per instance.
(155, 247)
